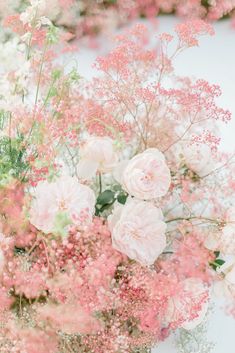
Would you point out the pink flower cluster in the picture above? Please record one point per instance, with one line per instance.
(116, 206)
(87, 17)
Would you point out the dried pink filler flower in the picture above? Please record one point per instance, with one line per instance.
(87, 17)
(116, 205)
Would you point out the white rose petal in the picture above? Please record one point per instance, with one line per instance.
(138, 231)
(146, 176)
(98, 154)
(67, 195)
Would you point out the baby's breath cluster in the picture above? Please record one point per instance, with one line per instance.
(117, 216)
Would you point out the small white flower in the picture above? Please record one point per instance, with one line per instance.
(198, 158)
(98, 154)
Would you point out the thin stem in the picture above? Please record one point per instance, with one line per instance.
(46, 252)
(33, 246)
(192, 218)
(40, 75)
(20, 304)
(100, 183)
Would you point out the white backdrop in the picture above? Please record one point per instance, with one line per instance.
(214, 61)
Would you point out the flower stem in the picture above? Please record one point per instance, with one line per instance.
(193, 217)
(100, 183)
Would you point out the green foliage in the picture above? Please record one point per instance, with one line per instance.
(110, 2)
(61, 222)
(56, 74)
(217, 262)
(4, 118)
(141, 350)
(107, 198)
(205, 3)
(122, 196)
(12, 157)
(104, 201)
(217, 253)
(74, 75)
(52, 35)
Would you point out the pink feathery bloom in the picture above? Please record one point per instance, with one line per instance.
(189, 305)
(69, 318)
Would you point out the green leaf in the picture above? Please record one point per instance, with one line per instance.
(106, 197)
(52, 35)
(220, 262)
(217, 253)
(122, 198)
(74, 75)
(217, 263)
(56, 74)
(53, 92)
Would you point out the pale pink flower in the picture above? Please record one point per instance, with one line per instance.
(198, 158)
(212, 239)
(227, 239)
(35, 341)
(64, 196)
(98, 154)
(138, 231)
(2, 256)
(189, 305)
(146, 176)
(226, 286)
(69, 318)
(2, 260)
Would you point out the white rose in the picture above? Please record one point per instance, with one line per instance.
(138, 231)
(146, 176)
(98, 154)
(67, 197)
(199, 159)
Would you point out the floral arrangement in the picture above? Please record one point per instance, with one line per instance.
(87, 17)
(117, 208)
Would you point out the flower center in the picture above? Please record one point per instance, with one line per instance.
(62, 205)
